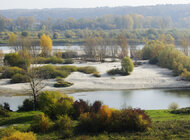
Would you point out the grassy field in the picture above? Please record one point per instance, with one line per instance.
(164, 126)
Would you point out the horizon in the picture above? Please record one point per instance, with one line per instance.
(35, 4)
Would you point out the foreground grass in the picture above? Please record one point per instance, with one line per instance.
(165, 126)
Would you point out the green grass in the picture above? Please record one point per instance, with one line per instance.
(165, 115)
(18, 118)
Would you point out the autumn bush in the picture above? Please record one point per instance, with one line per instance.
(80, 106)
(96, 74)
(41, 123)
(17, 135)
(126, 66)
(64, 126)
(114, 120)
(54, 104)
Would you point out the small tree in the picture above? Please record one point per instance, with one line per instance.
(46, 45)
(127, 65)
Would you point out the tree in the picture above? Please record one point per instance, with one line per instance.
(127, 65)
(123, 43)
(37, 82)
(46, 45)
(25, 34)
(184, 44)
(12, 39)
(56, 35)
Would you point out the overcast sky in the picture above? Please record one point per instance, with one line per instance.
(39, 4)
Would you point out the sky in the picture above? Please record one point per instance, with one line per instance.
(40, 4)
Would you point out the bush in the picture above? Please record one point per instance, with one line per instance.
(14, 59)
(19, 78)
(64, 126)
(52, 60)
(181, 111)
(114, 71)
(20, 136)
(68, 68)
(52, 72)
(87, 70)
(173, 106)
(62, 83)
(54, 104)
(80, 107)
(69, 54)
(114, 121)
(8, 72)
(41, 123)
(3, 112)
(68, 61)
(127, 65)
(96, 74)
(28, 105)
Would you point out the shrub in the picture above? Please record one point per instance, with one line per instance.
(68, 68)
(114, 71)
(62, 83)
(96, 74)
(14, 59)
(173, 106)
(181, 111)
(114, 121)
(80, 106)
(186, 74)
(19, 78)
(69, 54)
(64, 126)
(96, 106)
(28, 105)
(41, 123)
(127, 65)
(8, 72)
(20, 136)
(6, 106)
(52, 60)
(54, 104)
(3, 112)
(68, 61)
(87, 70)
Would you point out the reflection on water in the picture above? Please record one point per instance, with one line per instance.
(13, 101)
(145, 99)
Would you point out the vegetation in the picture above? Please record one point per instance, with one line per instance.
(20, 136)
(126, 67)
(62, 83)
(181, 111)
(46, 45)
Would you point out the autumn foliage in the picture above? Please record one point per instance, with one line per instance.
(110, 120)
(46, 45)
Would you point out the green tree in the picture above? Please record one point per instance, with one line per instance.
(127, 65)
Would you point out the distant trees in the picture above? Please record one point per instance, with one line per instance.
(46, 45)
(12, 39)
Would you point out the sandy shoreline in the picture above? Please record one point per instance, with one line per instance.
(145, 76)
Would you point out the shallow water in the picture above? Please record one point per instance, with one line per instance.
(145, 99)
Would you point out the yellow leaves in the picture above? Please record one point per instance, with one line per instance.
(105, 111)
(12, 39)
(20, 136)
(46, 45)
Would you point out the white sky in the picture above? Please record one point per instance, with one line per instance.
(39, 4)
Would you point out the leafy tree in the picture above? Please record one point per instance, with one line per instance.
(46, 45)
(25, 34)
(127, 65)
(12, 39)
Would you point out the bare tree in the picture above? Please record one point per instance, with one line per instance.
(123, 43)
(37, 82)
